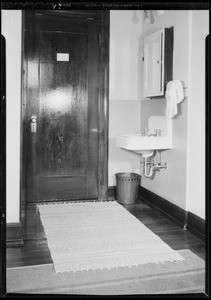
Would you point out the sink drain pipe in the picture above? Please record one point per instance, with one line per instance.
(152, 169)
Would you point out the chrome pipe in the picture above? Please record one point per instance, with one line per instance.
(152, 169)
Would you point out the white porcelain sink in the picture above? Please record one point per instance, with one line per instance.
(142, 144)
(146, 145)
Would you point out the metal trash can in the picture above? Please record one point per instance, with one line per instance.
(127, 187)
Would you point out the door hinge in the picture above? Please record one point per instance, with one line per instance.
(100, 38)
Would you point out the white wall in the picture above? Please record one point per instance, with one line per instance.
(11, 30)
(124, 88)
(198, 30)
(125, 55)
(183, 182)
(170, 183)
(123, 118)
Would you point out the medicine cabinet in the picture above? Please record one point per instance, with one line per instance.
(158, 62)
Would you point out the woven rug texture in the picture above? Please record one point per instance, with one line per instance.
(97, 235)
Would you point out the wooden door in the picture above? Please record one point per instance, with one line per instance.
(62, 59)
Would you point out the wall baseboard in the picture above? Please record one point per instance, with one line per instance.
(196, 225)
(182, 217)
(178, 215)
(111, 192)
(14, 234)
(172, 211)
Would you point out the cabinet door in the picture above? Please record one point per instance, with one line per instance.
(153, 64)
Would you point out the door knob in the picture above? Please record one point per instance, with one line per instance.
(33, 123)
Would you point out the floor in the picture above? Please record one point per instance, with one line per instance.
(35, 250)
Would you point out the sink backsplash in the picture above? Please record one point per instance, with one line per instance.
(160, 122)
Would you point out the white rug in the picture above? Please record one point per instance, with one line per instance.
(97, 235)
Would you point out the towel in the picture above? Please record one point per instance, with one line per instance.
(174, 95)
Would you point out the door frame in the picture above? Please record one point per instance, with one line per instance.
(103, 100)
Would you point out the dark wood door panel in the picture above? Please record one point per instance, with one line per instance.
(69, 188)
(63, 72)
(63, 105)
(63, 24)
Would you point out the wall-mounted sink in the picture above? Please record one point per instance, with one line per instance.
(146, 145)
(143, 144)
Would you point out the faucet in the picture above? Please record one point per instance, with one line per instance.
(157, 133)
(145, 132)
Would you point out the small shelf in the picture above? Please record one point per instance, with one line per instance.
(158, 62)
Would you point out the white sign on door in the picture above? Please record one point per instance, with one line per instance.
(62, 56)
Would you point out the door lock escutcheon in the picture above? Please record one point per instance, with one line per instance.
(33, 123)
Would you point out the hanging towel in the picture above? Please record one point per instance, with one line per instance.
(174, 95)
